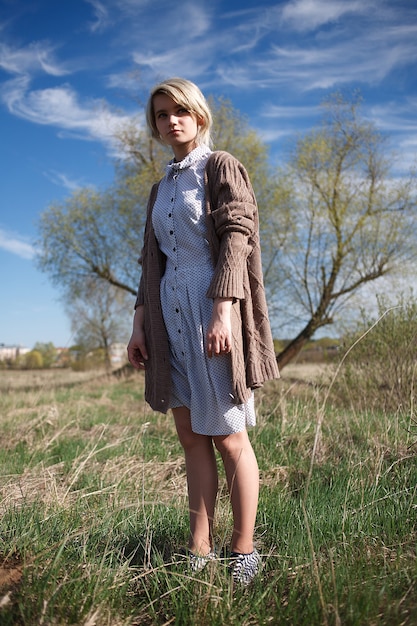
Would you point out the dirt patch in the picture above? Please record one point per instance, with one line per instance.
(10, 576)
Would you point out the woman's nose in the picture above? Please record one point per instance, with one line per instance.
(173, 119)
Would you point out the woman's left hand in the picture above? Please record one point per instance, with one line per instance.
(219, 332)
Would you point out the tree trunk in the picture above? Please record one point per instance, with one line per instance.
(293, 348)
(296, 345)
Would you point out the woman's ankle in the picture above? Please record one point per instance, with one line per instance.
(201, 548)
(241, 546)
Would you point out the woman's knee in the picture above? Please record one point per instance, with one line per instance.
(190, 440)
(232, 445)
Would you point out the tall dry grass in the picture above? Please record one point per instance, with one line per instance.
(93, 510)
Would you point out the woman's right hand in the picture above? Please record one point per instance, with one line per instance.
(136, 349)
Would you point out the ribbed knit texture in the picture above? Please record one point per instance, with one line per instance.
(233, 236)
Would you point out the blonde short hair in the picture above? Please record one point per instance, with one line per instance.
(188, 95)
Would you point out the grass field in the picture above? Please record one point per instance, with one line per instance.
(94, 507)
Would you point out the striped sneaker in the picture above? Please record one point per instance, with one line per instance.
(197, 562)
(244, 567)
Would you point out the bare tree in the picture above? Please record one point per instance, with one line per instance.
(100, 316)
(351, 223)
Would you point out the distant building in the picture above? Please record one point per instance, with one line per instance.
(11, 353)
(118, 354)
(63, 357)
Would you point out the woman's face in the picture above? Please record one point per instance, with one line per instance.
(176, 125)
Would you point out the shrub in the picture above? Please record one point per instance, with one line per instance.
(381, 367)
(33, 360)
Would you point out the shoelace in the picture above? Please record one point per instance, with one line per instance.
(244, 567)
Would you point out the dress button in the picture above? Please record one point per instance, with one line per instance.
(171, 232)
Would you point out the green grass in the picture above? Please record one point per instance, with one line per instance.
(93, 508)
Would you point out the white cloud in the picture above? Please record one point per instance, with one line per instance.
(398, 119)
(288, 112)
(271, 135)
(34, 57)
(63, 180)
(370, 42)
(153, 60)
(305, 15)
(101, 14)
(198, 20)
(325, 64)
(282, 122)
(16, 245)
(130, 6)
(394, 116)
(60, 107)
(164, 64)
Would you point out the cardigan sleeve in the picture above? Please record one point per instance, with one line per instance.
(140, 298)
(233, 211)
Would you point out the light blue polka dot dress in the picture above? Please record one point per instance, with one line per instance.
(199, 383)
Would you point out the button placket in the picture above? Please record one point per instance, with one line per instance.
(175, 279)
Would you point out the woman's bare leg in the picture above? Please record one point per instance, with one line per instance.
(202, 481)
(242, 474)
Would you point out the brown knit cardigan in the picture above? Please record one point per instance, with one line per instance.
(233, 236)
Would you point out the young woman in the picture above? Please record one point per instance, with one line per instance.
(201, 328)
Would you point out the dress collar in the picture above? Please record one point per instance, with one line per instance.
(191, 158)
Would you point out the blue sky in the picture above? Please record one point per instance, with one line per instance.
(72, 72)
